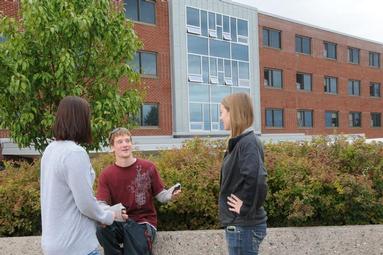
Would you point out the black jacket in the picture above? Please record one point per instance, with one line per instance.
(244, 175)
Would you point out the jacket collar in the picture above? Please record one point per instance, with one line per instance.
(233, 141)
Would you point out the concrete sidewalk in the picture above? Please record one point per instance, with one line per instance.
(345, 240)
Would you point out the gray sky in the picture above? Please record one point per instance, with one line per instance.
(361, 18)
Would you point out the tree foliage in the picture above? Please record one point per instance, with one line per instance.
(59, 48)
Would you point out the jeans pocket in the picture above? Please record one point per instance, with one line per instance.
(233, 237)
(258, 236)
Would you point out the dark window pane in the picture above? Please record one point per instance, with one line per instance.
(212, 21)
(196, 112)
(204, 23)
(219, 48)
(239, 52)
(242, 27)
(205, 69)
(233, 23)
(194, 64)
(275, 39)
(136, 63)
(243, 70)
(131, 9)
(330, 50)
(192, 16)
(226, 24)
(269, 118)
(265, 37)
(197, 45)
(147, 12)
(149, 115)
(148, 63)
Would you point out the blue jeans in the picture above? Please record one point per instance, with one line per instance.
(95, 252)
(245, 240)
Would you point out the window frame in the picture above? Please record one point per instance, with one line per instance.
(270, 84)
(304, 111)
(337, 119)
(138, 12)
(373, 84)
(297, 83)
(140, 118)
(371, 59)
(353, 85)
(328, 86)
(372, 119)
(302, 39)
(326, 51)
(140, 64)
(273, 110)
(352, 119)
(269, 44)
(351, 51)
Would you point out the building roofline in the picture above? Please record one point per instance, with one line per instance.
(240, 5)
(320, 28)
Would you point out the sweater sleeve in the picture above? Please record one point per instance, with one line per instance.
(77, 169)
(249, 164)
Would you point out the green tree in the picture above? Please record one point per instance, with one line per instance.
(59, 48)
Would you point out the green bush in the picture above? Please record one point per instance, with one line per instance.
(318, 183)
(20, 199)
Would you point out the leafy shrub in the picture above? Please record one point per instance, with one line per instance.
(20, 199)
(321, 182)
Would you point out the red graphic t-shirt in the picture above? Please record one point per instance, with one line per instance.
(134, 186)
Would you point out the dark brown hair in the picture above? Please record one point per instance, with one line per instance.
(73, 120)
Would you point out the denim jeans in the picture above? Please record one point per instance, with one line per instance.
(95, 252)
(114, 238)
(245, 240)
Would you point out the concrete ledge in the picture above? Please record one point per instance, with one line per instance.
(350, 240)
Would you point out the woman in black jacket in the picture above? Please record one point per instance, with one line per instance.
(243, 185)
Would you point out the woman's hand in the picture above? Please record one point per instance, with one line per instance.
(234, 203)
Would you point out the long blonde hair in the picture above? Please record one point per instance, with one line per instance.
(240, 108)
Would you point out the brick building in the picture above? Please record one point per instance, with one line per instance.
(316, 81)
(303, 79)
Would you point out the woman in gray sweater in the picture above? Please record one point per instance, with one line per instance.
(69, 210)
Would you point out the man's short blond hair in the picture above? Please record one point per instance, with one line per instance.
(118, 132)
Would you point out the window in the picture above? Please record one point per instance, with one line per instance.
(141, 10)
(355, 119)
(374, 59)
(305, 118)
(303, 81)
(145, 63)
(354, 88)
(272, 38)
(148, 115)
(330, 50)
(273, 78)
(376, 119)
(330, 85)
(303, 44)
(274, 118)
(374, 89)
(353, 55)
(332, 119)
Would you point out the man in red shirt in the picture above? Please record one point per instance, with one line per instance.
(134, 183)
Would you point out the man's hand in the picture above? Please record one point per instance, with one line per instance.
(124, 215)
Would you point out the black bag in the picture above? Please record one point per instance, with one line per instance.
(137, 239)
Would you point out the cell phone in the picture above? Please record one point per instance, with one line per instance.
(176, 187)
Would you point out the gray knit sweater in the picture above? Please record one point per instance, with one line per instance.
(69, 210)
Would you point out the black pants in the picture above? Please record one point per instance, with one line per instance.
(126, 238)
